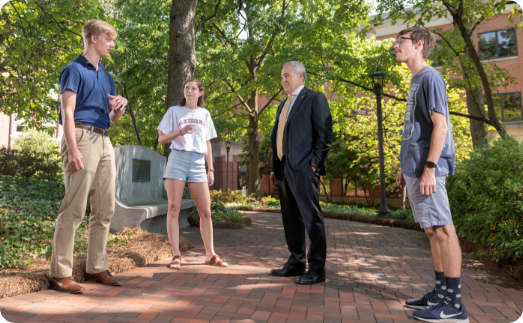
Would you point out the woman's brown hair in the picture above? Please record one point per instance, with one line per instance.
(201, 99)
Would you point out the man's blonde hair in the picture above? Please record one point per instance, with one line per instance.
(95, 27)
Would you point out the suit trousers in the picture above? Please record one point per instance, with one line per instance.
(301, 211)
(96, 182)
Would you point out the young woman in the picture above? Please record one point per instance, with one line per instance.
(189, 129)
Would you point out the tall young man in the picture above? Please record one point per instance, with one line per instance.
(89, 103)
(427, 157)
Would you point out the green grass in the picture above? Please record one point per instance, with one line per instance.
(28, 210)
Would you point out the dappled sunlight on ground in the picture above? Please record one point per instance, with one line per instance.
(371, 270)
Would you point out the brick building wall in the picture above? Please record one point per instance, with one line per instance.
(220, 172)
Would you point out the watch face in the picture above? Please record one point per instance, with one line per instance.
(430, 164)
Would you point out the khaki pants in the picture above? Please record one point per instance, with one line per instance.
(96, 182)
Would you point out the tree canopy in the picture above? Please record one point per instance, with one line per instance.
(458, 52)
(37, 39)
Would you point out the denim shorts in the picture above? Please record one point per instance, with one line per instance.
(186, 166)
(429, 210)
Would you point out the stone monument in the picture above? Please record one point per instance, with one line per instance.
(141, 198)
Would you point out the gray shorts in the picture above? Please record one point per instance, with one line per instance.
(429, 210)
(187, 166)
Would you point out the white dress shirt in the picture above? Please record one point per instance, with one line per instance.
(295, 93)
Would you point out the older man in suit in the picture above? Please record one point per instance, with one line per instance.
(301, 139)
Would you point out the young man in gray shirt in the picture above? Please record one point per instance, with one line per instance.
(427, 157)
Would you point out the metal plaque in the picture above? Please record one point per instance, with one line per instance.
(141, 170)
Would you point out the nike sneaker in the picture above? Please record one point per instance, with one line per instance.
(426, 301)
(444, 312)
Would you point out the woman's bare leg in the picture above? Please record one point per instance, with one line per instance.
(174, 195)
(200, 194)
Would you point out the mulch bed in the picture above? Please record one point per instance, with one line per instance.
(142, 248)
(411, 225)
(246, 221)
(511, 268)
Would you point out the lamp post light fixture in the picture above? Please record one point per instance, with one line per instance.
(378, 80)
(228, 144)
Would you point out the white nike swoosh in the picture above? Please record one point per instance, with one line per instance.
(429, 303)
(443, 316)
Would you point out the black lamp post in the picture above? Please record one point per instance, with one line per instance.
(378, 79)
(228, 144)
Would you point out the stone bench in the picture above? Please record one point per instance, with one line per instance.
(141, 198)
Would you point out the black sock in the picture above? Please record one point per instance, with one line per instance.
(440, 291)
(454, 291)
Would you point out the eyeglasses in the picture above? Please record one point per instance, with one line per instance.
(400, 40)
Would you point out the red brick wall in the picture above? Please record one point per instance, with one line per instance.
(220, 172)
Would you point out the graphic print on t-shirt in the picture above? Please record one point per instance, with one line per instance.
(185, 121)
(408, 124)
(200, 119)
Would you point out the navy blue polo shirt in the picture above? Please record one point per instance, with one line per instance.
(91, 88)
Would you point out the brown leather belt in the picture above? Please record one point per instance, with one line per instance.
(103, 132)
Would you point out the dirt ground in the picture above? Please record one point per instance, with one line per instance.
(141, 249)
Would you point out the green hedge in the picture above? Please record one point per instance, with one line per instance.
(486, 198)
(37, 155)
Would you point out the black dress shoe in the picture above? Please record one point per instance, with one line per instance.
(288, 271)
(311, 277)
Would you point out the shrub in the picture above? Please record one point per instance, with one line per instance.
(220, 212)
(231, 197)
(8, 162)
(486, 198)
(37, 156)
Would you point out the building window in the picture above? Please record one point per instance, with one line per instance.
(508, 106)
(497, 44)
(20, 128)
(437, 54)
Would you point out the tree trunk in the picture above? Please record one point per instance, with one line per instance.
(134, 123)
(182, 56)
(330, 186)
(476, 107)
(458, 20)
(254, 147)
(324, 190)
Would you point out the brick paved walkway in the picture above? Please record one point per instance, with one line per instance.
(371, 271)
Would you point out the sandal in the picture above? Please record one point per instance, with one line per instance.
(176, 262)
(219, 263)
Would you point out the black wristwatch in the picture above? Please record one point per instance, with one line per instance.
(430, 164)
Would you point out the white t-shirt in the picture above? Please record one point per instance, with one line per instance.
(178, 117)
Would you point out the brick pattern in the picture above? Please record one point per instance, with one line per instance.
(371, 270)
(220, 172)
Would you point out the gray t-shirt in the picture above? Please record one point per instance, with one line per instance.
(428, 92)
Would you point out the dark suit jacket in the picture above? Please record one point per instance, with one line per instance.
(307, 136)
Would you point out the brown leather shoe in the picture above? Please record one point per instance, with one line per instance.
(67, 285)
(104, 278)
